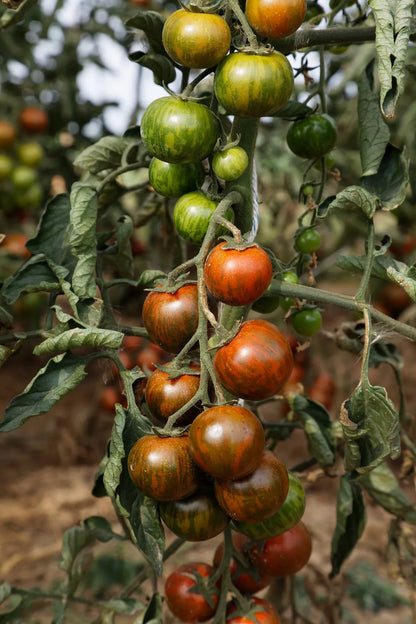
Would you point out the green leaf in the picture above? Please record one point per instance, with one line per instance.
(80, 337)
(382, 265)
(351, 519)
(33, 276)
(75, 557)
(389, 184)
(374, 132)
(317, 426)
(383, 486)
(5, 591)
(161, 66)
(103, 155)
(100, 528)
(293, 110)
(150, 278)
(148, 528)
(124, 606)
(371, 429)
(151, 23)
(82, 239)
(404, 279)
(116, 452)
(356, 199)
(393, 22)
(153, 611)
(60, 375)
(124, 256)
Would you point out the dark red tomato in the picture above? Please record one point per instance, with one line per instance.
(312, 137)
(253, 85)
(189, 606)
(172, 318)
(227, 441)
(34, 120)
(163, 468)
(179, 131)
(196, 40)
(275, 18)
(15, 245)
(244, 577)
(262, 612)
(132, 343)
(196, 518)
(323, 390)
(259, 495)
(237, 277)
(175, 179)
(110, 396)
(289, 514)
(285, 554)
(151, 355)
(166, 396)
(256, 363)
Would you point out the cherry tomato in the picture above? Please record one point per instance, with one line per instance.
(30, 154)
(256, 363)
(285, 554)
(190, 606)
(307, 321)
(230, 164)
(313, 136)
(171, 318)
(227, 441)
(23, 177)
(163, 468)
(257, 496)
(166, 396)
(308, 241)
(34, 120)
(196, 40)
(275, 18)
(262, 612)
(7, 134)
(237, 277)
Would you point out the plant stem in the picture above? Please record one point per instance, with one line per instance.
(241, 16)
(361, 294)
(114, 174)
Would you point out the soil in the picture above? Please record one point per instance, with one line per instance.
(47, 472)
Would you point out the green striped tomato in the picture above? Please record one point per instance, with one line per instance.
(195, 518)
(289, 514)
(196, 40)
(230, 164)
(175, 179)
(179, 131)
(192, 214)
(253, 85)
(163, 468)
(313, 136)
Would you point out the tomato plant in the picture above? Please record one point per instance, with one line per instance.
(285, 554)
(230, 163)
(190, 606)
(179, 131)
(257, 496)
(165, 396)
(253, 85)
(196, 40)
(171, 318)
(227, 441)
(162, 468)
(312, 137)
(256, 363)
(275, 19)
(237, 276)
(175, 179)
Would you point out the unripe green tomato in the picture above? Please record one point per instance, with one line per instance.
(30, 197)
(192, 214)
(230, 164)
(313, 136)
(329, 162)
(307, 321)
(308, 241)
(30, 154)
(307, 189)
(23, 177)
(175, 179)
(287, 302)
(6, 166)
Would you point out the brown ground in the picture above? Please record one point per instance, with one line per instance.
(47, 469)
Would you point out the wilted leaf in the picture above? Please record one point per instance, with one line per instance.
(370, 424)
(82, 239)
(104, 154)
(390, 182)
(60, 375)
(354, 198)
(80, 337)
(404, 279)
(317, 425)
(383, 486)
(351, 519)
(374, 132)
(33, 276)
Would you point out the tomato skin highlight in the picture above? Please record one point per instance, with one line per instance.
(179, 131)
(165, 396)
(285, 554)
(163, 468)
(196, 518)
(259, 495)
(189, 606)
(275, 18)
(171, 318)
(196, 40)
(256, 363)
(253, 85)
(227, 441)
(237, 277)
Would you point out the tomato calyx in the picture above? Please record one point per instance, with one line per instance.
(171, 288)
(202, 6)
(264, 49)
(204, 585)
(238, 242)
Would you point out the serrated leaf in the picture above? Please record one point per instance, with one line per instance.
(393, 21)
(60, 375)
(151, 23)
(148, 528)
(390, 183)
(351, 519)
(374, 132)
(104, 154)
(33, 276)
(80, 337)
(370, 424)
(383, 486)
(84, 205)
(354, 198)
(404, 280)
(161, 66)
(317, 426)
